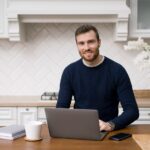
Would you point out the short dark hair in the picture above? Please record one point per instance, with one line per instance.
(86, 28)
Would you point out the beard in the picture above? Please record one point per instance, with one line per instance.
(89, 55)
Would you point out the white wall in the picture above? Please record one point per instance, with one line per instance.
(35, 66)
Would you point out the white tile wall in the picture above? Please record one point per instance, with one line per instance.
(36, 65)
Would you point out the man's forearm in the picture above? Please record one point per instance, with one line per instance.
(126, 118)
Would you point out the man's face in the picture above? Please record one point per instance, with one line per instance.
(88, 45)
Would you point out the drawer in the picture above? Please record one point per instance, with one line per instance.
(8, 116)
(8, 113)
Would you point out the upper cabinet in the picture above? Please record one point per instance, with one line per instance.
(3, 19)
(139, 18)
(14, 14)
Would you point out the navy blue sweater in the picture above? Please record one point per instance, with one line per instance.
(101, 88)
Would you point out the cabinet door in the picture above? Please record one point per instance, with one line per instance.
(26, 114)
(3, 19)
(8, 116)
(139, 18)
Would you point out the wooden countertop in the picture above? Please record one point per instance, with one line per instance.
(48, 143)
(142, 98)
(31, 101)
(25, 101)
(142, 140)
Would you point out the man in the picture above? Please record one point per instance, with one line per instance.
(97, 82)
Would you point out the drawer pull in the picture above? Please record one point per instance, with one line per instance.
(27, 109)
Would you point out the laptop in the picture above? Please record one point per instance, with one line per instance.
(74, 123)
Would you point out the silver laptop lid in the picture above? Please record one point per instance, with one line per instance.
(73, 123)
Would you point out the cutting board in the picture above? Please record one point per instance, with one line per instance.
(143, 140)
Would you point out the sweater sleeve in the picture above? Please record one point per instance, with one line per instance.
(65, 92)
(127, 100)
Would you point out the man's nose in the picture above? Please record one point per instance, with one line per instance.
(86, 46)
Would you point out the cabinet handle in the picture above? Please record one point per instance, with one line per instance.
(27, 109)
(148, 114)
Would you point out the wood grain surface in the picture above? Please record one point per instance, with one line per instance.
(49, 143)
(143, 140)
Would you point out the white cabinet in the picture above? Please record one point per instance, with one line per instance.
(21, 115)
(139, 24)
(26, 114)
(3, 19)
(8, 115)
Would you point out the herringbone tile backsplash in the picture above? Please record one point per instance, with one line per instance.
(35, 65)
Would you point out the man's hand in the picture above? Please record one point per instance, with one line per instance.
(104, 126)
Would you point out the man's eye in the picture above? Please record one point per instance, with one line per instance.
(81, 43)
(91, 42)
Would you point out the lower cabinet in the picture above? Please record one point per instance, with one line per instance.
(26, 114)
(21, 115)
(17, 115)
(8, 116)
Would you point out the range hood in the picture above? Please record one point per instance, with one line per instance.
(20, 12)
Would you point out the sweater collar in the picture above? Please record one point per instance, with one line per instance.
(100, 62)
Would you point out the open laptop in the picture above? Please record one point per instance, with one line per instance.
(74, 123)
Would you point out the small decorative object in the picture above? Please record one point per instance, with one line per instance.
(143, 58)
(49, 96)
